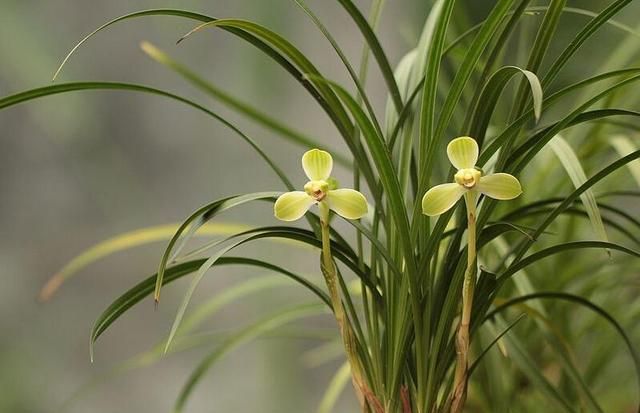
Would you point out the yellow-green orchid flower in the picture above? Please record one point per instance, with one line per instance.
(463, 154)
(321, 189)
(348, 203)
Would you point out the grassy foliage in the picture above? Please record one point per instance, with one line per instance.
(535, 253)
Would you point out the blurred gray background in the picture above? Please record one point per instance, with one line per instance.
(78, 168)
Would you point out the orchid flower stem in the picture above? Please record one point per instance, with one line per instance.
(331, 279)
(459, 394)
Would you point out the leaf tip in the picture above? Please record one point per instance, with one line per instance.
(147, 47)
(55, 75)
(50, 287)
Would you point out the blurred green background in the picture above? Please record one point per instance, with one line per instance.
(78, 168)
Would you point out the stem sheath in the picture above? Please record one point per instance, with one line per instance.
(459, 393)
(348, 338)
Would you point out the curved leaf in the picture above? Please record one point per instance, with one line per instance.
(573, 167)
(491, 93)
(332, 107)
(69, 87)
(242, 107)
(201, 215)
(126, 241)
(478, 359)
(582, 302)
(582, 37)
(548, 101)
(146, 287)
(376, 49)
(335, 388)
(249, 333)
(517, 266)
(345, 61)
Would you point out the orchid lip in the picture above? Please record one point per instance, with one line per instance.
(319, 195)
(317, 189)
(468, 177)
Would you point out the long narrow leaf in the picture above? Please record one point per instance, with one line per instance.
(572, 166)
(265, 325)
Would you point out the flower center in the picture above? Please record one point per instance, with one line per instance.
(317, 189)
(468, 177)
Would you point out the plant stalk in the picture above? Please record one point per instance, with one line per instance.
(459, 392)
(348, 338)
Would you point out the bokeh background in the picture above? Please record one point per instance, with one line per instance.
(78, 168)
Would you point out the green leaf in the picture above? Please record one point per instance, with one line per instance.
(215, 304)
(584, 12)
(573, 196)
(584, 303)
(306, 73)
(123, 242)
(249, 333)
(77, 86)
(487, 33)
(581, 38)
(249, 236)
(573, 167)
(335, 388)
(134, 295)
(624, 146)
(524, 361)
(143, 13)
(531, 259)
(491, 93)
(552, 99)
(345, 61)
(478, 359)
(146, 287)
(327, 101)
(376, 49)
(196, 220)
(540, 48)
(193, 284)
(244, 108)
(426, 145)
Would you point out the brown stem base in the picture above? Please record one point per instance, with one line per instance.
(459, 393)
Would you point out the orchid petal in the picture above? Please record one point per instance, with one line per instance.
(463, 152)
(347, 203)
(441, 198)
(292, 205)
(317, 164)
(499, 186)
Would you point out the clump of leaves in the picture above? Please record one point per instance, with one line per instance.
(436, 296)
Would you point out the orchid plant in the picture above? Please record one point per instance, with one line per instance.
(430, 323)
